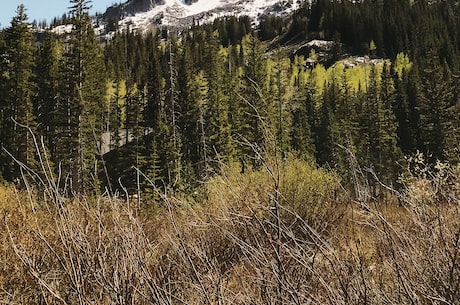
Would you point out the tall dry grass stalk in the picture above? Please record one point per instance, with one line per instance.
(282, 236)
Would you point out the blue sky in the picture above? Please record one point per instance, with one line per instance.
(44, 9)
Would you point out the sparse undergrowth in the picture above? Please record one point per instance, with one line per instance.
(279, 235)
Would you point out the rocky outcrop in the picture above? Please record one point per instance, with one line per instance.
(189, 2)
(141, 15)
(129, 8)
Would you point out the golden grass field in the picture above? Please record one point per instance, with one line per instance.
(284, 234)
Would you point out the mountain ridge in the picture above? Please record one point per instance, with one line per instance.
(142, 14)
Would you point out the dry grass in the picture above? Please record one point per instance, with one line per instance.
(282, 236)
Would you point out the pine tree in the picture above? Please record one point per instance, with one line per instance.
(3, 106)
(219, 142)
(280, 96)
(303, 114)
(154, 115)
(233, 85)
(172, 156)
(368, 116)
(48, 76)
(83, 102)
(390, 155)
(437, 99)
(198, 90)
(407, 110)
(256, 109)
(17, 111)
(345, 129)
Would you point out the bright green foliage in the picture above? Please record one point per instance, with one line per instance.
(401, 64)
(319, 75)
(357, 77)
(177, 106)
(300, 75)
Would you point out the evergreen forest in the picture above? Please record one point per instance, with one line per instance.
(171, 108)
(312, 159)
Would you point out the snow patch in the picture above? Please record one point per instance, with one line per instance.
(177, 13)
(354, 61)
(325, 44)
(62, 29)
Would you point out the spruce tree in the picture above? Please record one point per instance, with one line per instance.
(83, 102)
(233, 85)
(219, 142)
(368, 116)
(390, 155)
(198, 97)
(189, 106)
(133, 155)
(49, 81)
(407, 111)
(452, 125)
(437, 95)
(172, 154)
(17, 110)
(323, 131)
(280, 96)
(3, 104)
(346, 129)
(303, 114)
(256, 108)
(154, 115)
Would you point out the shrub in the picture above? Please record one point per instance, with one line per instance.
(269, 235)
(301, 188)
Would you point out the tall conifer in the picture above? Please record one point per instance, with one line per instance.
(220, 143)
(84, 100)
(17, 109)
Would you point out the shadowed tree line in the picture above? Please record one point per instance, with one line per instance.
(209, 95)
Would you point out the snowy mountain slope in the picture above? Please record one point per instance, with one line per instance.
(178, 13)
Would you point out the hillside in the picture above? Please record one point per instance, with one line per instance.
(306, 159)
(173, 13)
(315, 86)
